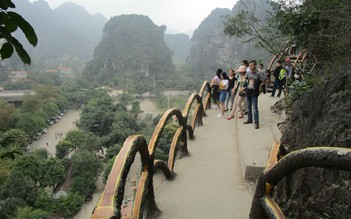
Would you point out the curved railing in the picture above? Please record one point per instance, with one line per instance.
(263, 205)
(109, 205)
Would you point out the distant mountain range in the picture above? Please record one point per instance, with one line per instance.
(212, 49)
(66, 35)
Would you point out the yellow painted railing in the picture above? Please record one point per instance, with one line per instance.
(109, 205)
(280, 165)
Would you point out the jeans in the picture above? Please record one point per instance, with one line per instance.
(278, 84)
(229, 98)
(222, 96)
(252, 102)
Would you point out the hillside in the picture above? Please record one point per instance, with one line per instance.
(211, 48)
(66, 35)
(133, 54)
(320, 118)
(180, 46)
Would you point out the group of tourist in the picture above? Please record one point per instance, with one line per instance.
(233, 90)
(245, 83)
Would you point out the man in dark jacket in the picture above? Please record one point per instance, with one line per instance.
(280, 79)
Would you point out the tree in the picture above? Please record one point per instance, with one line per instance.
(9, 205)
(92, 142)
(12, 142)
(98, 115)
(86, 167)
(8, 115)
(9, 23)
(255, 23)
(44, 201)
(84, 184)
(30, 124)
(84, 161)
(20, 186)
(51, 172)
(136, 109)
(50, 109)
(63, 148)
(31, 103)
(30, 213)
(69, 205)
(76, 138)
(321, 26)
(113, 151)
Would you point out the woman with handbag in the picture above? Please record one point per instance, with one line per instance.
(240, 97)
(223, 86)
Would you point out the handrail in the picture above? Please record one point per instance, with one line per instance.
(109, 205)
(263, 205)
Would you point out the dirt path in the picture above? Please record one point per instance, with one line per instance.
(148, 106)
(65, 124)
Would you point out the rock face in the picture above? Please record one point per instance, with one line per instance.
(322, 117)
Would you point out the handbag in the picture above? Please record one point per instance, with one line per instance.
(242, 93)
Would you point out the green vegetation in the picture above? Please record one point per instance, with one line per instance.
(131, 55)
(9, 23)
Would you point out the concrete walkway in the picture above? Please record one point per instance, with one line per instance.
(210, 182)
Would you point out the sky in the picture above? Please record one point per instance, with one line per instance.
(180, 15)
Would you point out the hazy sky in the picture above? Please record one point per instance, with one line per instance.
(181, 15)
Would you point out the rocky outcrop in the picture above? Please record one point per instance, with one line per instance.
(321, 117)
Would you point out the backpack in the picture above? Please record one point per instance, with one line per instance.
(282, 74)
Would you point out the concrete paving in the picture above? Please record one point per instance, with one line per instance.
(210, 183)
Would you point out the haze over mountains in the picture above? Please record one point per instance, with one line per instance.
(65, 34)
(68, 36)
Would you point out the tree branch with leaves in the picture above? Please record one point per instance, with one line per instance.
(9, 22)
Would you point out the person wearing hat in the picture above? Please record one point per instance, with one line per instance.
(239, 89)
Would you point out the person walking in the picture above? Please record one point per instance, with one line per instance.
(240, 93)
(255, 80)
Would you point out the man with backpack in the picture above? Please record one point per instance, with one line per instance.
(280, 78)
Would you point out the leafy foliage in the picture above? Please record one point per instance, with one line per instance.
(29, 213)
(86, 167)
(321, 26)
(69, 205)
(254, 22)
(10, 21)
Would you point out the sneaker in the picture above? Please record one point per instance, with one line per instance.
(230, 117)
(220, 115)
(257, 126)
(241, 116)
(247, 122)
